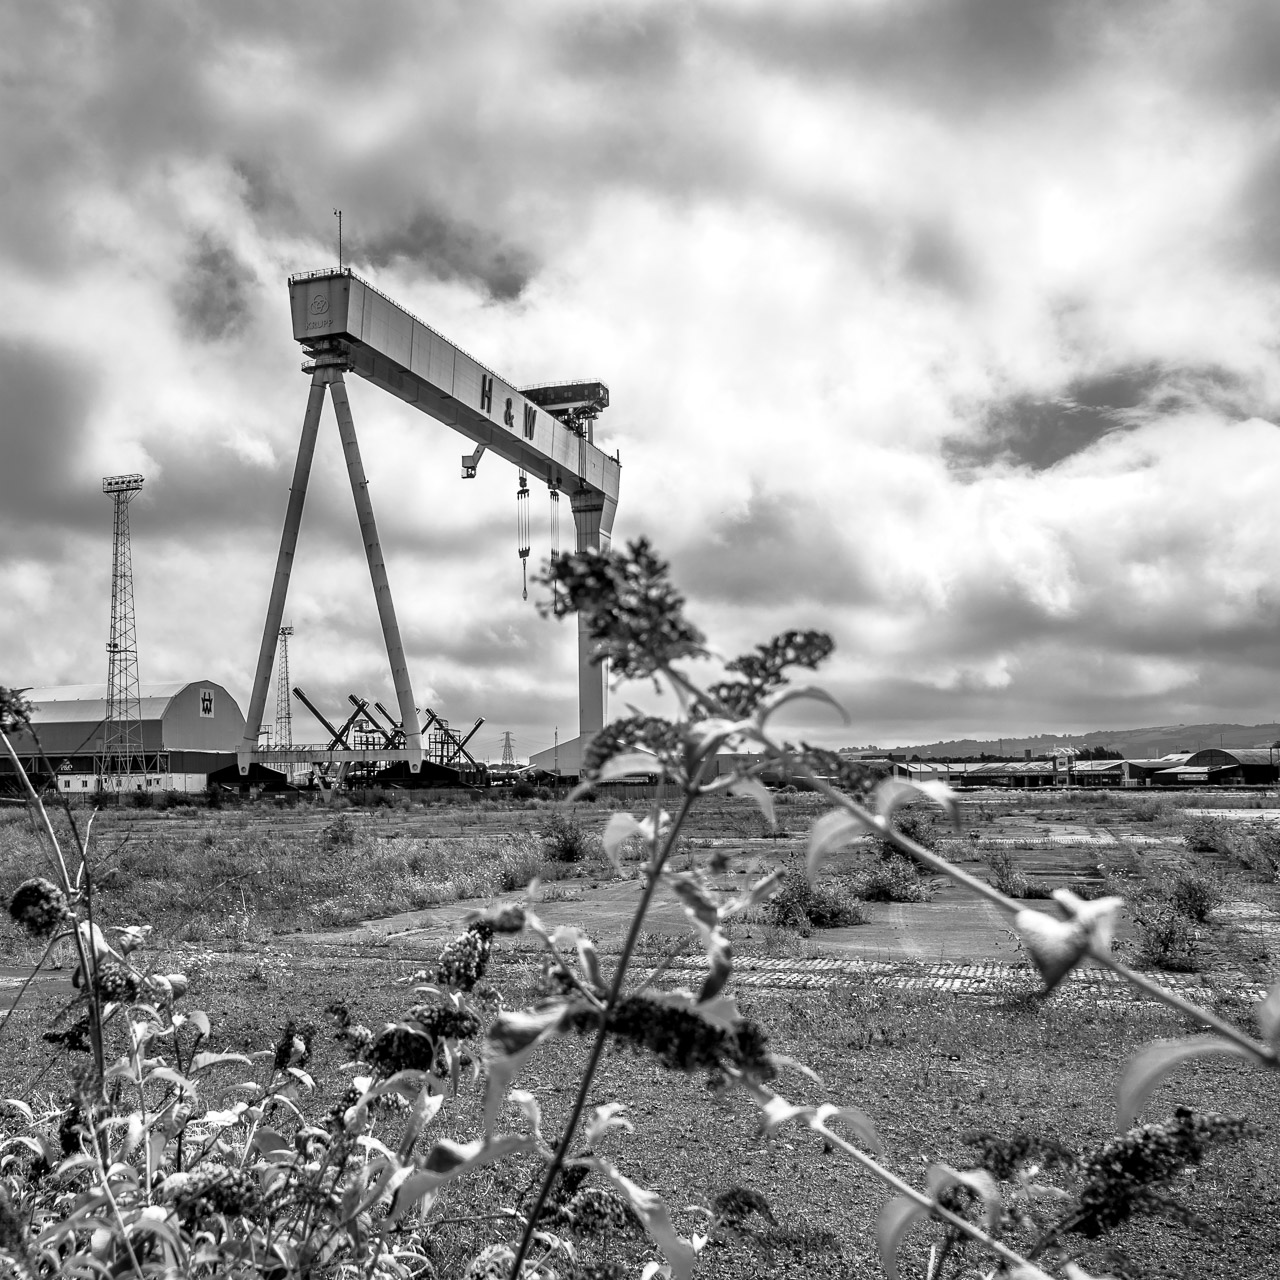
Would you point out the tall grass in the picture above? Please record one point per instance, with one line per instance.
(191, 886)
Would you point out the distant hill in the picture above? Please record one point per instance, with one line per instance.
(1149, 743)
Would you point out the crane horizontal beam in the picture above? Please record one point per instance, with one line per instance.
(393, 349)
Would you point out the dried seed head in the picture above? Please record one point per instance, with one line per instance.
(464, 960)
(40, 907)
(117, 985)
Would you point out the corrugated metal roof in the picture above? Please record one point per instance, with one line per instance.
(87, 703)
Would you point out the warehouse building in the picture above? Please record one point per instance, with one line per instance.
(189, 730)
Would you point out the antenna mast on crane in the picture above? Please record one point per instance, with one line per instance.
(122, 757)
(284, 716)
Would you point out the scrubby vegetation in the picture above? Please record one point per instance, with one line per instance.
(804, 905)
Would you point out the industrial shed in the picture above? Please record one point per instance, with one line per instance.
(1240, 766)
(189, 729)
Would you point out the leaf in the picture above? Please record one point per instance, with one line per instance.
(895, 1219)
(1268, 1015)
(605, 1118)
(1097, 917)
(756, 894)
(412, 1191)
(720, 962)
(454, 1158)
(619, 828)
(21, 1108)
(1147, 1068)
(893, 793)
(775, 1111)
(979, 1181)
(171, 1076)
(203, 1060)
(695, 900)
(648, 1207)
(425, 1108)
(832, 831)
(1055, 946)
(272, 1146)
(590, 961)
(620, 767)
(709, 735)
(512, 1037)
(810, 693)
(863, 1126)
(754, 789)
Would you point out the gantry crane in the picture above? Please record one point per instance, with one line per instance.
(345, 324)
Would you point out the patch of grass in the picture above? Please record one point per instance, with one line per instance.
(190, 885)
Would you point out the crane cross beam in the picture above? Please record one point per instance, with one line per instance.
(393, 349)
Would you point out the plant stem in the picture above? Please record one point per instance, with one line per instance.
(976, 1234)
(1266, 1057)
(597, 1048)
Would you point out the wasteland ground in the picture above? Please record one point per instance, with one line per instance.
(921, 1016)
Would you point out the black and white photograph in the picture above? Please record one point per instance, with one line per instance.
(640, 640)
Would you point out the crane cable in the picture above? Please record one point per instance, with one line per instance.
(522, 530)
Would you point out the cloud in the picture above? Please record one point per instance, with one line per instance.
(447, 250)
(948, 329)
(215, 296)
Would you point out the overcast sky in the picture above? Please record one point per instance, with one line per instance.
(947, 327)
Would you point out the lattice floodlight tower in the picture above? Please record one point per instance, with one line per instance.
(345, 324)
(284, 712)
(121, 757)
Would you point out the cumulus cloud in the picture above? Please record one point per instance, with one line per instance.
(948, 330)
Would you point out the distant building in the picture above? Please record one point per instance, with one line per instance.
(189, 730)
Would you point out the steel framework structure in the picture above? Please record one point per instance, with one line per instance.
(121, 758)
(345, 324)
(284, 714)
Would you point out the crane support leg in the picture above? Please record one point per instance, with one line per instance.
(593, 679)
(284, 566)
(377, 570)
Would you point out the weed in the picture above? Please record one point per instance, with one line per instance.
(1166, 938)
(1260, 851)
(1148, 809)
(803, 905)
(893, 880)
(1206, 835)
(1010, 879)
(1193, 894)
(565, 839)
(916, 824)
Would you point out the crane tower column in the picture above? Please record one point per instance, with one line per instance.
(284, 567)
(593, 679)
(377, 568)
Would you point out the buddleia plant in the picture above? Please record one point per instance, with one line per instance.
(636, 620)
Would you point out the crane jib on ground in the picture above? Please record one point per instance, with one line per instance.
(344, 324)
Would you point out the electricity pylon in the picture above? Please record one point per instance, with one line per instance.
(121, 758)
(284, 717)
(508, 751)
